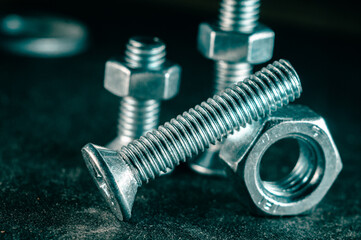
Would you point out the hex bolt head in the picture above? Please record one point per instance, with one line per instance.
(114, 178)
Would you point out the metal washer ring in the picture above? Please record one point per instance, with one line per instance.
(42, 36)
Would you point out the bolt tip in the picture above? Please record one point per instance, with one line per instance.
(146, 42)
(294, 78)
(113, 178)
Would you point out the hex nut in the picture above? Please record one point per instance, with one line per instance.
(255, 47)
(317, 168)
(162, 83)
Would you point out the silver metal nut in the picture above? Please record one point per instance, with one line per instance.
(162, 83)
(318, 165)
(254, 48)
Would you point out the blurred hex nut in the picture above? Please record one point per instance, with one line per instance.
(158, 83)
(318, 165)
(254, 48)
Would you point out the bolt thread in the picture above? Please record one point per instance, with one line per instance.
(239, 15)
(145, 52)
(228, 73)
(193, 131)
(137, 117)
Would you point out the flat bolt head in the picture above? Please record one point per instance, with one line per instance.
(113, 177)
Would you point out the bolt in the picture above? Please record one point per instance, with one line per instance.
(142, 78)
(236, 17)
(118, 174)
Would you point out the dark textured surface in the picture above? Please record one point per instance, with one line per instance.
(50, 108)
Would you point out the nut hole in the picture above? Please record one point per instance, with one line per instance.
(279, 160)
(291, 168)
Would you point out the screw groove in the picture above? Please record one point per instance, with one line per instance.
(236, 15)
(145, 52)
(228, 73)
(137, 117)
(212, 120)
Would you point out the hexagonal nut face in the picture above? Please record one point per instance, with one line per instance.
(255, 48)
(305, 186)
(141, 83)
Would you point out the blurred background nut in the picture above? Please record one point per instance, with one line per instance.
(151, 84)
(144, 72)
(236, 41)
(307, 181)
(254, 47)
(142, 78)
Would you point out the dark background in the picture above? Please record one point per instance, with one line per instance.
(50, 108)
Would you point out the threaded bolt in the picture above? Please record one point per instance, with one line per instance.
(145, 52)
(228, 73)
(119, 174)
(239, 16)
(137, 115)
(235, 16)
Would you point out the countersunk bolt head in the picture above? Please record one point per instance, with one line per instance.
(114, 178)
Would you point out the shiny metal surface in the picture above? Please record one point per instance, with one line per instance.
(136, 117)
(142, 77)
(238, 16)
(235, 42)
(190, 133)
(318, 165)
(218, 45)
(114, 179)
(42, 36)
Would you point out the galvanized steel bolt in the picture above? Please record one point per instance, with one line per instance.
(235, 42)
(143, 78)
(118, 174)
(235, 16)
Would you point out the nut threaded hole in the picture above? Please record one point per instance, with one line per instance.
(291, 168)
(279, 160)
